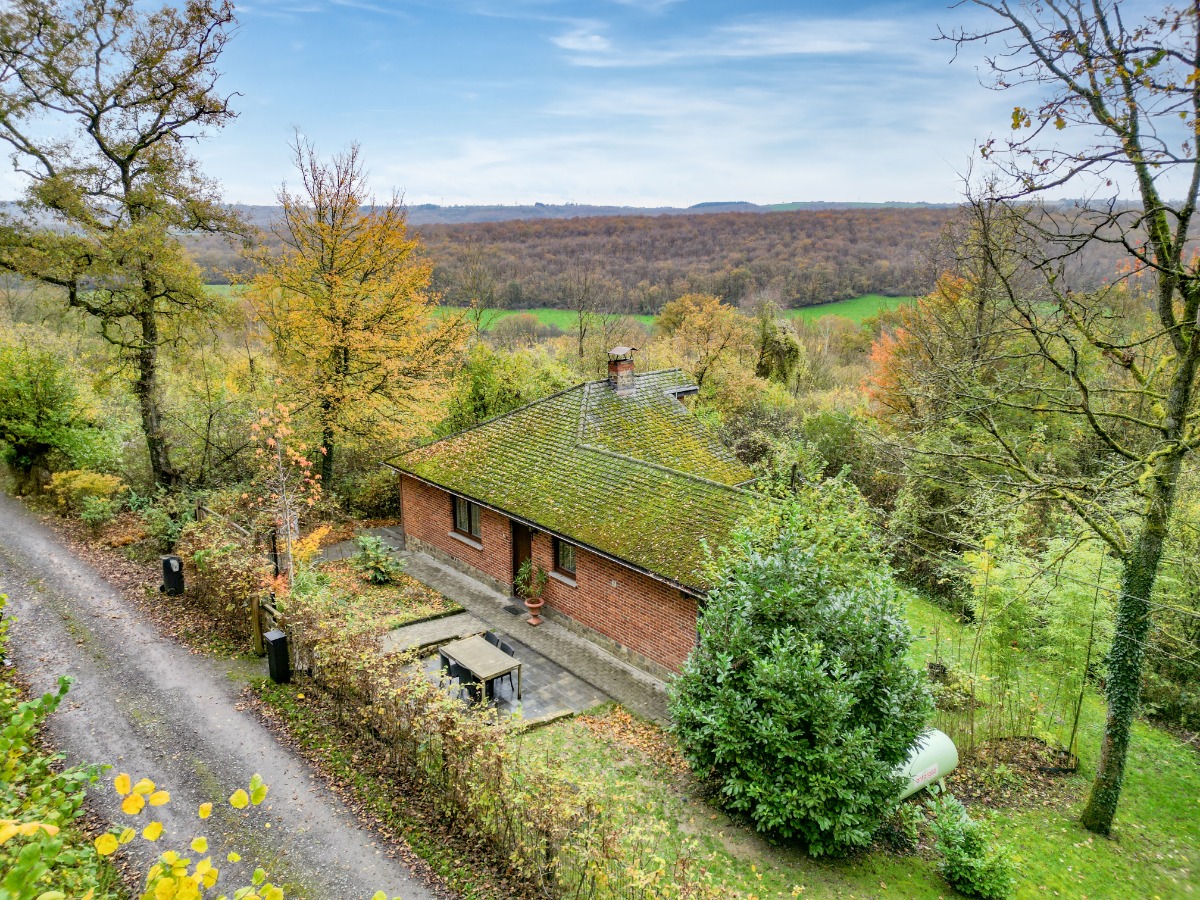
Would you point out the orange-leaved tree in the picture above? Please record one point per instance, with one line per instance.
(704, 331)
(349, 311)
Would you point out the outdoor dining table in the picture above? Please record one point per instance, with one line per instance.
(485, 661)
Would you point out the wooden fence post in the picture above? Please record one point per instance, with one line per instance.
(256, 631)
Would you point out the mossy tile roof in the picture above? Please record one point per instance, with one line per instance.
(635, 477)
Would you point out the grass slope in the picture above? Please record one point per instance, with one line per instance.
(1153, 854)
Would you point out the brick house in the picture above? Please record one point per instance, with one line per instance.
(611, 486)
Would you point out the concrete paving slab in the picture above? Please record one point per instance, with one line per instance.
(431, 633)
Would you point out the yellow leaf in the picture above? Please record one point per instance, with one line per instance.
(153, 831)
(165, 890)
(200, 844)
(122, 784)
(160, 798)
(145, 786)
(126, 836)
(234, 857)
(258, 795)
(205, 810)
(7, 830)
(239, 799)
(106, 845)
(132, 805)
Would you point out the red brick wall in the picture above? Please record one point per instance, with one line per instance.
(429, 516)
(630, 608)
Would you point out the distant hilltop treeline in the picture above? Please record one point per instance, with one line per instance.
(636, 263)
(433, 214)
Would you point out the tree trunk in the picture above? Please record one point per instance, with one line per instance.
(146, 391)
(326, 456)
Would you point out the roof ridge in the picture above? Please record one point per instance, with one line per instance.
(641, 374)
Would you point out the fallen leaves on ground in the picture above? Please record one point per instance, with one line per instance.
(646, 737)
(1014, 773)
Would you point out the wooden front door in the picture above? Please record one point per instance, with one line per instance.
(522, 547)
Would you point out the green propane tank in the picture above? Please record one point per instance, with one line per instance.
(932, 758)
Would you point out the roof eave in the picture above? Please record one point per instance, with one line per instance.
(691, 591)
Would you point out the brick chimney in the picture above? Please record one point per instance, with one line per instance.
(620, 370)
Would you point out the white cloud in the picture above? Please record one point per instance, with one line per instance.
(582, 40)
(743, 40)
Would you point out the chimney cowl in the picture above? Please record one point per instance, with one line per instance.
(620, 370)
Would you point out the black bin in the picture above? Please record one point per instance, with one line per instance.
(278, 663)
(172, 584)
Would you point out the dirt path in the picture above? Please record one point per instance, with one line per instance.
(150, 708)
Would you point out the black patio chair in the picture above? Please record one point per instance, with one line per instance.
(505, 647)
(444, 663)
(492, 638)
(467, 681)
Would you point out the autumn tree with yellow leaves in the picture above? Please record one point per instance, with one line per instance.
(349, 311)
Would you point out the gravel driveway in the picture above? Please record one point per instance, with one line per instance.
(149, 707)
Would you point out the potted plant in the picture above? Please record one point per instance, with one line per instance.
(530, 583)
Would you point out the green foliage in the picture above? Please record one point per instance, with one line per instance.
(224, 573)
(40, 847)
(374, 560)
(901, 831)
(494, 382)
(968, 862)
(72, 490)
(374, 495)
(166, 515)
(529, 582)
(798, 700)
(97, 511)
(42, 416)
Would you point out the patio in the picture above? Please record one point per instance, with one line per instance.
(562, 672)
(547, 689)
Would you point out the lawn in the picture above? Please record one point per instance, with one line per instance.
(1153, 854)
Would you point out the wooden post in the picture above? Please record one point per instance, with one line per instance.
(256, 631)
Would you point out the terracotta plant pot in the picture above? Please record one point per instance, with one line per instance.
(534, 607)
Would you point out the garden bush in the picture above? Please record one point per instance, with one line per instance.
(557, 833)
(373, 495)
(166, 514)
(798, 700)
(968, 862)
(223, 573)
(70, 490)
(374, 560)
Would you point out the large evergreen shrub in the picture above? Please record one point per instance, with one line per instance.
(798, 700)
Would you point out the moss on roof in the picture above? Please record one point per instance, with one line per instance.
(635, 477)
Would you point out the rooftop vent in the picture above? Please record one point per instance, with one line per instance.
(620, 370)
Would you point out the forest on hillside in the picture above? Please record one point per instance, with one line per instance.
(637, 263)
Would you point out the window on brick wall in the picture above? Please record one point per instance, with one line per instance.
(466, 517)
(564, 557)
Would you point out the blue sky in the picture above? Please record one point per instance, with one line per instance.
(638, 102)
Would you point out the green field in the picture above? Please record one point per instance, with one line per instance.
(855, 309)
